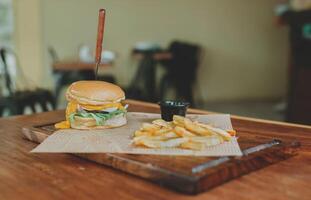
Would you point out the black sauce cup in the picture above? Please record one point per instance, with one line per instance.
(170, 108)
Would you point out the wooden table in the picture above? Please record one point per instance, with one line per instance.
(63, 176)
(76, 65)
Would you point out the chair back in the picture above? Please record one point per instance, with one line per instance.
(184, 63)
(18, 98)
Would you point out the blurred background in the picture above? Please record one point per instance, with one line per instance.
(246, 58)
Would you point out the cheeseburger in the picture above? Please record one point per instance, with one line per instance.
(94, 105)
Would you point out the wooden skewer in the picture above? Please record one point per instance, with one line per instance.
(100, 36)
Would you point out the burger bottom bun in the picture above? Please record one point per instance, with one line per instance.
(90, 123)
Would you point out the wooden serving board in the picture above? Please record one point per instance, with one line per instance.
(187, 174)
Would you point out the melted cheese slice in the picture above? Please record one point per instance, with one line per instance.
(102, 107)
(62, 125)
(71, 108)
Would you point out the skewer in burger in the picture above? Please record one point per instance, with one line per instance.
(94, 105)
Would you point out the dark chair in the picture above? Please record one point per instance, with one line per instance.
(142, 86)
(299, 95)
(181, 70)
(16, 101)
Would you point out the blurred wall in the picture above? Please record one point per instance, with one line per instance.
(27, 38)
(245, 53)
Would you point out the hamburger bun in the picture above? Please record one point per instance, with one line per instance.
(90, 123)
(94, 92)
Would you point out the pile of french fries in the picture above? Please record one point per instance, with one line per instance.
(180, 133)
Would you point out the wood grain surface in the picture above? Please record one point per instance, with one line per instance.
(177, 172)
(49, 176)
(76, 65)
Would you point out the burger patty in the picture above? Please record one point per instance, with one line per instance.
(97, 111)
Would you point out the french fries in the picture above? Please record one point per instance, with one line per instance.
(162, 123)
(180, 133)
(193, 145)
(197, 129)
(149, 127)
(142, 133)
(179, 120)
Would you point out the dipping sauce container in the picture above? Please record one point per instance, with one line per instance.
(170, 108)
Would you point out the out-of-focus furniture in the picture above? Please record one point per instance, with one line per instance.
(68, 71)
(181, 70)
(20, 100)
(143, 85)
(17, 100)
(299, 94)
(180, 61)
(76, 65)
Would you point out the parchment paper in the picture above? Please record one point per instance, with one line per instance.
(118, 140)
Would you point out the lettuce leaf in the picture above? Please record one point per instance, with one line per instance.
(100, 118)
